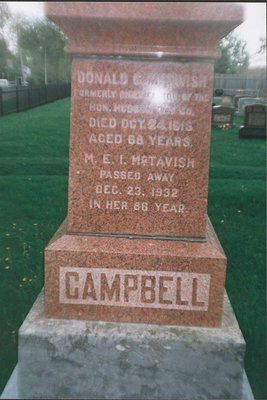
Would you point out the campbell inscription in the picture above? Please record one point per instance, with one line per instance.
(134, 288)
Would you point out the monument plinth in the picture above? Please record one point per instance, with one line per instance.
(147, 29)
(140, 280)
(137, 255)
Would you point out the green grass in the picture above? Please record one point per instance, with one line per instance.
(237, 210)
(33, 203)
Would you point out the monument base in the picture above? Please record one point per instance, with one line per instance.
(107, 360)
(137, 280)
(11, 389)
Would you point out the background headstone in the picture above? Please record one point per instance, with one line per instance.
(254, 122)
(243, 102)
(263, 93)
(239, 94)
(222, 115)
(227, 100)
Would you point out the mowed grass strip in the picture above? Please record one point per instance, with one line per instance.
(33, 203)
(237, 210)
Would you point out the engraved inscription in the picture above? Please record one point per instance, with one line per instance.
(257, 119)
(222, 118)
(134, 288)
(140, 136)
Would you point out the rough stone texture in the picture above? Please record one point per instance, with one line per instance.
(11, 389)
(140, 165)
(86, 359)
(72, 262)
(144, 28)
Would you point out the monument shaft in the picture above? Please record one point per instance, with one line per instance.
(139, 147)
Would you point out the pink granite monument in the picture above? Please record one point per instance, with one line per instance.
(137, 245)
(137, 260)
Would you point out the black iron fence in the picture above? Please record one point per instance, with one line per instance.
(21, 98)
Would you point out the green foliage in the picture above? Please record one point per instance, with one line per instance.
(262, 48)
(234, 56)
(33, 203)
(4, 16)
(7, 59)
(38, 53)
(42, 46)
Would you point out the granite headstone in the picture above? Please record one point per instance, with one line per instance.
(137, 245)
(227, 100)
(239, 94)
(245, 101)
(139, 159)
(254, 122)
(222, 115)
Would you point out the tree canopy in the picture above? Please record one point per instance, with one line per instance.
(262, 48)
(234, 56)
(38, 49)
(7, 60)
(6, 56)
(42, 47)
(4, 16)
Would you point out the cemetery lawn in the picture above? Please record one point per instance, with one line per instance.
(33, 203)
